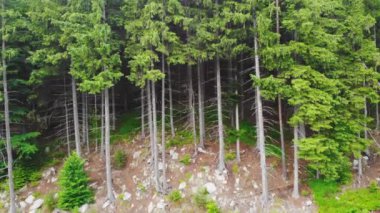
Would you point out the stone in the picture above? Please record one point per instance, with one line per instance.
(136, 154)
(182, 186)
(210, 187)
(83, 208)
(106, 204)
(160, 166)
(174, 156)
(127, 196)
(308, 203)
(161, 204)
(36, 204)
(232, 204)
(54, 179)
(22, 205)
(150, 207)
(29, 199)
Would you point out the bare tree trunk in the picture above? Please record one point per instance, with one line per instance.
(295, 193)
(171, 103)
(84, 119)
(280, 123)
(237, 121)
(150, 119)
(76, 118)
(260, 125)
(191, 106)
(12, 195)
(221, 164)
(200, 107)
(66, 118)
(113, 109)
(110, 195)
(96, 123)
(142, 115)
(102, 128)
(163, 144)
(155, 149)
(87, 127)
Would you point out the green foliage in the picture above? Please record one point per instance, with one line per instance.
(230, 156)
(50, 202)
(120, 159)
(182, 137)
(74, 184)
(175, 196)
(246, 134)
(235, 168)
(186, 159)
(24, 175)
(272, 150)
(203, 200)
(359, 200)
(129, 126)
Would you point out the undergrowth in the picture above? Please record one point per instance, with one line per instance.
(330, 200)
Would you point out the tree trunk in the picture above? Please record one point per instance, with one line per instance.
(260, 125)
(102, 128)
(87, 127)
(113, 109)
(76, 118)
(84, 119)
(237, 121)
(110, 195)
(12, 195)
(172, 130)
(295, 193)
(155, 148)
(150, 119)
(200, 107)
(142, 115)
(66, 119)
(280, 123)
(221, 164)
(191, 106)
(163, 144)
(96, 124)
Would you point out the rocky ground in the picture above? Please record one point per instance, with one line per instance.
(236, 190)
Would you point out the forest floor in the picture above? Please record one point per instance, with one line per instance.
(238, 190)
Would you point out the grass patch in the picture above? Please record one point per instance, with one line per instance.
(203, 200)
(181, 138)
(329, 199)
(174, 196)
(186, 159)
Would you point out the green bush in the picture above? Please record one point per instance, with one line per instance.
(50, 202)
(186, 159)
(73, 183)
(329, 199)
(230, 156)
(120, 159)
(203, 200)
(175, 196)
(182, 137)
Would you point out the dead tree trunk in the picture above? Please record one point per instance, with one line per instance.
(295, 193)
(66, 118)
(142, 114)
(163, 144)
(191, 106)
(221, 164)
(172, 130)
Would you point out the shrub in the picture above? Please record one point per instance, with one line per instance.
(230, 156)
(202, 200)
(212, 207)
(73, 183)
(235, 169)
(50, 202)
(175, 196)
(119, 159)
(186, 159)
(182, 137)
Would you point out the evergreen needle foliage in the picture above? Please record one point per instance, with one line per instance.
(74, 184)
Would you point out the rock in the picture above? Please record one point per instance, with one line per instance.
(232, 204)
(136, 154)
(83, 208)
(127, 196)
(106, 204)
(54, 179)
(22, 205)
(308, 203)
(29, 199)
(174, 156)
(123, 188)
(160, 166)
(150, 207)
(255, 186)
(161, 204)
(182, 186)
(36, 204)
(210, 187)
